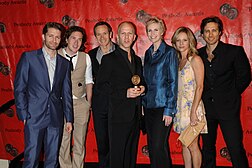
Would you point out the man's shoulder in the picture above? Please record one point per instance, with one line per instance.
(82, 54)
(61, 57)
(202, 48)
(228, 48)
(202, 51)
(231, 46)
(138, 58)
(34, 52)
(93, 52)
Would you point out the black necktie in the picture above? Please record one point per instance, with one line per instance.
(71, 58)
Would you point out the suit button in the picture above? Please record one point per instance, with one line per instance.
(212, 88)
(211, 99)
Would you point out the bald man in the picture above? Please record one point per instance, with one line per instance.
(114, 79)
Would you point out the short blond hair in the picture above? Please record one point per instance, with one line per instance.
(155, 20)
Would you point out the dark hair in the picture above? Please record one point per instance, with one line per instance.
(72, 29)
(209, 19)
(101, 23)
(52, 25)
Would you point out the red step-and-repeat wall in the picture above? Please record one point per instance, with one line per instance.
(21, 23)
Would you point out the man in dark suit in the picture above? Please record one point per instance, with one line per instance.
(103, 33)
(43, 95)
(227, 75)
(115, 79)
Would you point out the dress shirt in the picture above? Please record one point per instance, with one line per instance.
(100, 54)
(224, 74)
(161, 76)
(51, 65)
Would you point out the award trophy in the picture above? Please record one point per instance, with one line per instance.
(135, 80)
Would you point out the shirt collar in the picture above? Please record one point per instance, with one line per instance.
(111, 49)
(64, 52)
(160, 49)
(216, 51)
(47, 56)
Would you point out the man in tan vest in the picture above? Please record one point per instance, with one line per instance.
(82, 83)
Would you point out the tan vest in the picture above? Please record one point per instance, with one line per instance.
(78, 75)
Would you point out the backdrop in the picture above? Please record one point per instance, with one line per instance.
(21, 23)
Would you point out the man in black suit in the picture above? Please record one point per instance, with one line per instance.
(115, 79)
(227, 75)
(103, 33)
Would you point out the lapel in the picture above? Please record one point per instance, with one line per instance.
(44, 70)
(57, 69)
(123, 59)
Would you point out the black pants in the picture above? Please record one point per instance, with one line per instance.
(232, 133)
(157, 138)
(123, 143)
(100, 118)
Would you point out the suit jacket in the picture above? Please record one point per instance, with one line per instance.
(99, 101)
(114, 78)
(226, 77)
(35, 100)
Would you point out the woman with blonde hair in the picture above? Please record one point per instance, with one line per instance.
(161, 76)
(190, 108)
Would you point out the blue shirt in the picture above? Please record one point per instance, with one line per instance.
(161, 76)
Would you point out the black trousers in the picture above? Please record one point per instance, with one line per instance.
(157, 138)
(100, 119)
(123, 143)
(233, 136)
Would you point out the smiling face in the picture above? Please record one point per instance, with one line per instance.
(103, 36)
(126, 36)
(182, 43)
(211, 33)
(51, 39)
(74, 42)
(155, 32)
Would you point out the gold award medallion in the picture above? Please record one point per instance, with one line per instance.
(135, 80)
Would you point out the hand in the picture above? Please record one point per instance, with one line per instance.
(69, 127)
(167, 120)
(193, 119)
(24, 122)
(133, 92)
(142, 89)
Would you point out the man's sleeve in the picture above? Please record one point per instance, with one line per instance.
(20, 87)
(242, 70)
